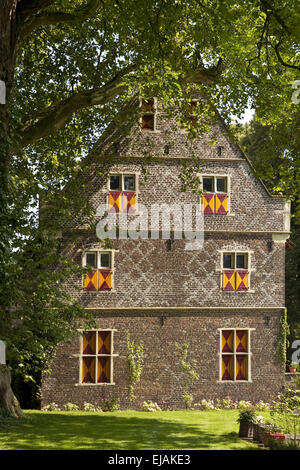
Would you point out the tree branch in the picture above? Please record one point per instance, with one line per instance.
(285, 64)
(206, 75)
(54, 117)
(267, 7)
(58, 17)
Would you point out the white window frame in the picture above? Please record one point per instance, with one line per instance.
(228, 184)
(112, 263)
(234, 353)
(250, 269)
(112, 356)
(136, 191)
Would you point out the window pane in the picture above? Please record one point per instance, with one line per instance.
(227, 367)
(91, 260)
(241, 367)
(208, 184)
(227, 261)
(241, 341)
(103, 369)
(114, 182)
(104, 260)
(129, 183)
(221, 185)
(89, 342)
(148, 121)
(148, 106)
(241, 261)
(104, 342)
(227, 341)
(88, 368)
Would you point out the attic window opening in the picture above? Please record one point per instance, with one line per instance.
(220, 150)
(148, 117)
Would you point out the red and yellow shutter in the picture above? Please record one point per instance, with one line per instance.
(115, 200)
(241, 367)
(129, 201)
(104, 342)
(88, 364)
(221, 204)
(228, 282)
(242, 280)
(88, 369)
(90, 281)
(227, 341)
(105, 276)
(208, 203)
(103, 375)
(241, 341)
(148, 121)
(227, 367)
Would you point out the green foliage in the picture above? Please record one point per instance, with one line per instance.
(151, 406)
(286, 411)
(77, 63)
(188, 372)
(282, 344)
(112, 404)
(135, 360)
(70, 407)
(247, 416)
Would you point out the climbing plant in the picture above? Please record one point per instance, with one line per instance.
(283, 343)
(189, 373)
(135, 359)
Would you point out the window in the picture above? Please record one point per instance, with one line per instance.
(235, 356)
(122, 193)
(100, 276)
(96, 357)
(148, 117)
(215, 196)
(235, 273)
(192, 112)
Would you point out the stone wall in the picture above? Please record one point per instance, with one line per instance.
(162, 378)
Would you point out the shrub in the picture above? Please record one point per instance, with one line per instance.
(52, 407)
(261, 406)
(247, 416)
(206, 405)
(90, 407)
(110, 405)
(228, 404)
(151, 406)
(165, 406)
(70, 407)
(245, 405)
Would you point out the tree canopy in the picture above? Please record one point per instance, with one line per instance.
(69, 65)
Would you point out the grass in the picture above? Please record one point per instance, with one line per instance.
(124, 430)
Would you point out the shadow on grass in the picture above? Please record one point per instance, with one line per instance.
(115, 432)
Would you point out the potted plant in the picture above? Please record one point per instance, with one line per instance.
(247, 420)
(293, 367)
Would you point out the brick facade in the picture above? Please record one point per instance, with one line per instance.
(164, 294)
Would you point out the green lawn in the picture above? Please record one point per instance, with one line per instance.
(125, 430)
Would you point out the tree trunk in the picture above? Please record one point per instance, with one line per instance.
(8, 401)
(8, 42)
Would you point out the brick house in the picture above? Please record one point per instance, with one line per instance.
(224, 299)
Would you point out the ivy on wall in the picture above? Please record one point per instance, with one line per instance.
(135, 360)
(283, 343)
